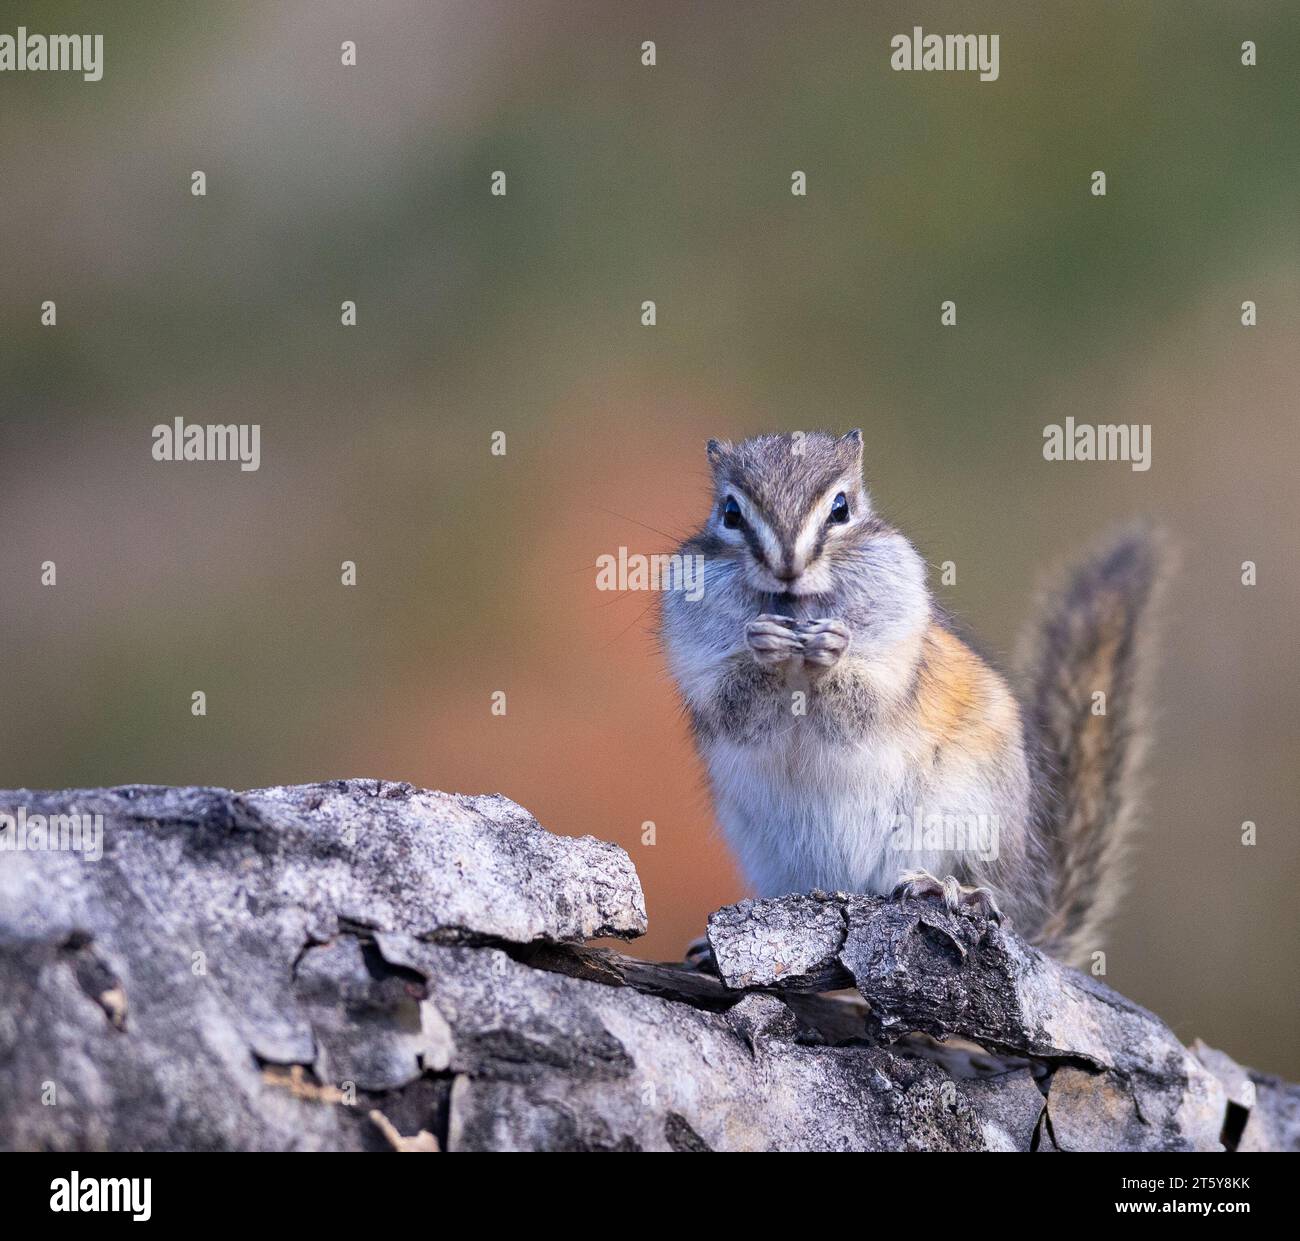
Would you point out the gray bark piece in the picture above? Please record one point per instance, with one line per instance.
(921, 967)
(1268, 1115)
(789, 941)
(386, 854)
(1274, 1122)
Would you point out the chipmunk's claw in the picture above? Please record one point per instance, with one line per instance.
(956, 896)
(772, 639)
(824, 641)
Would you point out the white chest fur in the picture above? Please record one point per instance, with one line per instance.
(801, 814)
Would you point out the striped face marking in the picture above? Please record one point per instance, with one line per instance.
(785, 557)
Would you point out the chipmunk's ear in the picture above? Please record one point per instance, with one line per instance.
(717, 451)
(850, 446)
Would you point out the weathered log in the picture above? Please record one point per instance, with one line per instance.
(361, 965)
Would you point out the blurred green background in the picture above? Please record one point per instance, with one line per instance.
(522, 314)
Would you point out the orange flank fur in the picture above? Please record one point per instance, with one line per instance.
(960, 701)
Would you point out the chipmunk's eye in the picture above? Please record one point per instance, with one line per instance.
(840, 509)
(731, 514)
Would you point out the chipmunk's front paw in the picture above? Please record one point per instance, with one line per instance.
(824, 641)
(773, 639)
(957, 896)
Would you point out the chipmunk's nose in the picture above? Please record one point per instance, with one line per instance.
(792, 567)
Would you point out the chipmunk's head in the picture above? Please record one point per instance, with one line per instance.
(792, 510)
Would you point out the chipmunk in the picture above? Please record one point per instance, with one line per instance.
(836, 708)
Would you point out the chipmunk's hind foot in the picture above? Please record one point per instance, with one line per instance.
(956, 896)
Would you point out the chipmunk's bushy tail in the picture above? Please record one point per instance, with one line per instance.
(1090, 639)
